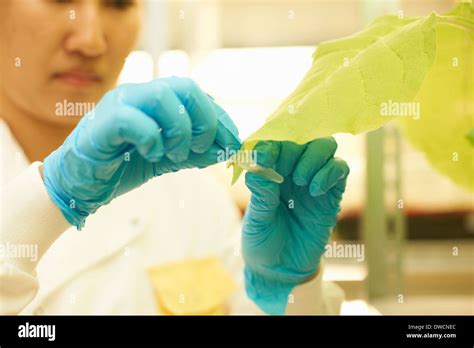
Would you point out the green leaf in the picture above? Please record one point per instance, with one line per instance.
(446, 101)
(354, 81)
(470, 136)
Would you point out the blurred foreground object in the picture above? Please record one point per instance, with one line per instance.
(192, 287)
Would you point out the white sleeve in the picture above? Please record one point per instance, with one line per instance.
(30, 223)
(315, 297)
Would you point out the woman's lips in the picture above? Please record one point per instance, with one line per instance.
(78, 78)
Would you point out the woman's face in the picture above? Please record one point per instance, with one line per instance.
(63, 51)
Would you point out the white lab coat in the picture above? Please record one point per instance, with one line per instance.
(102, 268)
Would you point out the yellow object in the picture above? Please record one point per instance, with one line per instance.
(446, 101)
(192, 287)
(419, 71)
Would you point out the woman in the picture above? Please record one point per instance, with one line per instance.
(58, 170)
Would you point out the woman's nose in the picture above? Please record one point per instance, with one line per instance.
(87, 36)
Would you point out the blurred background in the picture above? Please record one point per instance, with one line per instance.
(415, 226)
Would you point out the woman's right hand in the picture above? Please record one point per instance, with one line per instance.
(136, 132)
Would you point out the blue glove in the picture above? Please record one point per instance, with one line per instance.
(136, 132)
(287, 226)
